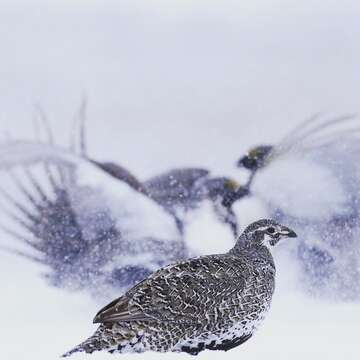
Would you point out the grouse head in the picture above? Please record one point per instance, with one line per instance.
(265, 232)
(256, 158)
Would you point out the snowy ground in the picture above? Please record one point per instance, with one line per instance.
(41, 323)
(191, 83)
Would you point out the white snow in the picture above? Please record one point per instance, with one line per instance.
(322, 193)
(190, 83)
(41, 323)
(203, 220)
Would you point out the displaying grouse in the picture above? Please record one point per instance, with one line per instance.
(179, 190)
(87, 233)
(310, 179)
(213, 302)
(83, 228)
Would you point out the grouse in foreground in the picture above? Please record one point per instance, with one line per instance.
(213, 302)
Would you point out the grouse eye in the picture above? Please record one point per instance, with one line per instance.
(271, 230)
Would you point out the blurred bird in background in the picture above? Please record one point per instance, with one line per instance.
(94, 225)
(97, 226)
(311, 181)
(90, 231)
(178, 190)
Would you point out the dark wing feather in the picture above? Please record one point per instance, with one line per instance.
(120, 173)
(181, 293)
(175, 187)
(118, 310)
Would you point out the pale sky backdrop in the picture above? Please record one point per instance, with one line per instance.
(196, 81)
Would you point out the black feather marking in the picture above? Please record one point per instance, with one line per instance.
(229, 344)
(193, 350)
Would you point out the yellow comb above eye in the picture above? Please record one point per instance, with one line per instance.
(232, 184)
(254, 152)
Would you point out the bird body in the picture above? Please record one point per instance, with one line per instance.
(213, 302)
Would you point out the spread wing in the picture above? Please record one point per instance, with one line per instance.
(182, 292)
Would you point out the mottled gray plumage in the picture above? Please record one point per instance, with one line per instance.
(211, 302)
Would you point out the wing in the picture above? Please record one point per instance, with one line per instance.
(182, 292)
(175, 187)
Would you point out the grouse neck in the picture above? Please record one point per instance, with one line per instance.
(246, 244)
(254, 252)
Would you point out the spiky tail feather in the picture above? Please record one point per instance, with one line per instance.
(93, 343)
(113, 338)
(98, 341)
(72, 351)
(86, 346)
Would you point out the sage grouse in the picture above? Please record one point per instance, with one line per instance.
(211, 302)
(79, 217)
(179, 190)
(311, 179)
(81, 224)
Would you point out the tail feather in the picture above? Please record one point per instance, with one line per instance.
(36, 186)
(88, 346)
(24, 211)
(111, 338)
(42, 121)
(96, 342)
(76, 349)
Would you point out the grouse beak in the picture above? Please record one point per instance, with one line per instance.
(288, 232)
